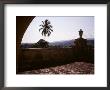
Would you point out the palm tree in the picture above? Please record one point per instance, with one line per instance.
(46, 28)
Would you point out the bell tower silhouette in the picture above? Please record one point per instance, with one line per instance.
(80, 42)
(80, 33)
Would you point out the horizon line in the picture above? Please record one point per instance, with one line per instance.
(58, 41)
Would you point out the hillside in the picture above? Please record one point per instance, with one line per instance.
(65, 43)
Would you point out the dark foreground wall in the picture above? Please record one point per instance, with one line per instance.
(46, 57)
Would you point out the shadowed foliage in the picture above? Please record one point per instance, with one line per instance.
(41, 44)
(46, 28)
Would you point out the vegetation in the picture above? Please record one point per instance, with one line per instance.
(41, 44)
(46, 28)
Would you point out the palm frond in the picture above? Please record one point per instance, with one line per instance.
(50, 26)
(41, 25)
(51, 29)
(48, 22)
(42, 33)
(43, 22)
(49, 33)
(40, 29)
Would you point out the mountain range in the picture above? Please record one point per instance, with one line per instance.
(64, 43)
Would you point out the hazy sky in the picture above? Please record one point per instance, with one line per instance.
(64, 28)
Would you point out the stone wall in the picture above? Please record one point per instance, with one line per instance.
(34, 58)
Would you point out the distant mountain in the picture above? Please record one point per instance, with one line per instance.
(27, 45)
(69, 43)
(65, 43)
